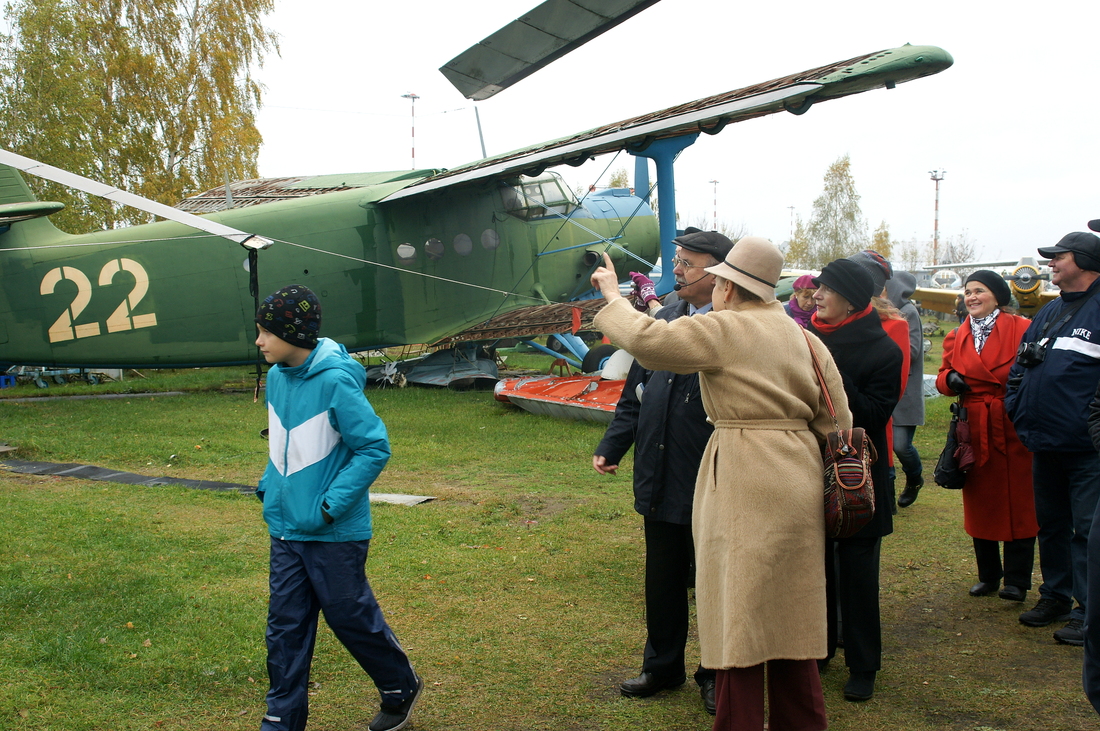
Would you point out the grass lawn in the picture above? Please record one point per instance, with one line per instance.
(517, 592)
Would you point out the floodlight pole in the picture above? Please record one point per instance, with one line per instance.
(412, 98)
(715, 184)
(937, 176)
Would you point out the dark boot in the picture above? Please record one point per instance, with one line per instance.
(909, 494)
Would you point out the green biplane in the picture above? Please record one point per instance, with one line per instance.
(397, 258)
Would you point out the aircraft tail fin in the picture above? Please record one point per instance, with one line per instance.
(21, 213)
(13, 189)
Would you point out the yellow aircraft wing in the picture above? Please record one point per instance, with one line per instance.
(943, 300)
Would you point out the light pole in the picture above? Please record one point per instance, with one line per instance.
(412, 98)
(715, 184)
(792, 223)
(937, 176)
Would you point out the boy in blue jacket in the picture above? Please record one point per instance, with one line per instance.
(326, 448)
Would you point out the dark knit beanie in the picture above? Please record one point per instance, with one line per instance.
(996, 284)
(877, 266)
(850, 280)
(293, 314)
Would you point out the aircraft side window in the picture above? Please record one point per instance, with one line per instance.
(406, 253)
(434, 249)
(463, 245)
(490, 239)
(533, 193)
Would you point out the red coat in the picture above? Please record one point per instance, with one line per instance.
(898, 330)
(998, 502)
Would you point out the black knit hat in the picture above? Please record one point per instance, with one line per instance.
(705, 242)
(293, 314)
(850, 280)
(876, 265)
(996, 284)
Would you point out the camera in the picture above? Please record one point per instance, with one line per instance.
(1031, 354)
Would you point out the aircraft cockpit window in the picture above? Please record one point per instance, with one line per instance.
(538, 198)
(434, 249)
(406, 254)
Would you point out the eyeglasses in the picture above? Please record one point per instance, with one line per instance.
(683, 264)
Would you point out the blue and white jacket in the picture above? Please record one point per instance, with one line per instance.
(1050, 405)
(326, 448)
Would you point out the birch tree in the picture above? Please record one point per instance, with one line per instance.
(836, 227)
(154, 96)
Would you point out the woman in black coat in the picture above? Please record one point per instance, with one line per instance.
(870, 364)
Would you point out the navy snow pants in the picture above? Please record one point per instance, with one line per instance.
(308, 577)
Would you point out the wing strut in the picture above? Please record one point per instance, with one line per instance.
(663, 152)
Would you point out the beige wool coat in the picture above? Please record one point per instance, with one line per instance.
(758, 518)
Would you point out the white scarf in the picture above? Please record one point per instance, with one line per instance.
(981, 328)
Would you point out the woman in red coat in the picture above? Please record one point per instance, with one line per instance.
(998, 502)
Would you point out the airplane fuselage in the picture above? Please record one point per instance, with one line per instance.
(411, 271)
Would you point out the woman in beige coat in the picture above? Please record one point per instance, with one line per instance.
(758, 518)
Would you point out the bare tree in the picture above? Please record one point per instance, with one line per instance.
(731, 231)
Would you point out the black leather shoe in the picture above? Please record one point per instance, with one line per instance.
(648, 684)
(860, 686)
(909, 494)
(983, 588)
(707, 691)
(1013, 593)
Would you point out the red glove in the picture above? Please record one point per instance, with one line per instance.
(644, 291)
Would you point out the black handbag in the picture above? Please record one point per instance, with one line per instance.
(957, 456)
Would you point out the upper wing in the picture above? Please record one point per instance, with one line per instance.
(534, 40)
(795, 93)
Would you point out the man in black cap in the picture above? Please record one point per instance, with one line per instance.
(661, 414)
(1049, 389)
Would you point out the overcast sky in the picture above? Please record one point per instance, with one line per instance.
(1015, 123)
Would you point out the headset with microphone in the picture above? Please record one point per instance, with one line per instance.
(677, 287)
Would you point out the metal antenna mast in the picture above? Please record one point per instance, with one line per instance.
(937, 176)
(715, 184)
(412, 98)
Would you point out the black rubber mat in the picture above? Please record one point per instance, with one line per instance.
(88, 472)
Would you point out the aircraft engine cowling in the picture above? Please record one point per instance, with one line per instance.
(1025, 279)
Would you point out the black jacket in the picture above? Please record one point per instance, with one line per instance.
(669, 431)
(1094, 419)
(870, 364)
(1049, 403)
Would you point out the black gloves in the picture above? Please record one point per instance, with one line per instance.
(956, 383)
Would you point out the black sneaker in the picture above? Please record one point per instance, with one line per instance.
(392, 718)
(909, 494)
(1046, 612)
(1072, 634)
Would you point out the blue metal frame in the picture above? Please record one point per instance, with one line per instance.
(664, 152)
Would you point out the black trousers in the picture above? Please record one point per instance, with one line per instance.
(669, 573)
(1018, 562)
(851, 583)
